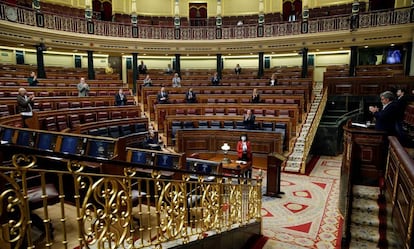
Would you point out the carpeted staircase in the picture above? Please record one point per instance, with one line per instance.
(370, 222)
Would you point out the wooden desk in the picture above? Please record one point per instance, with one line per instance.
(234, 168)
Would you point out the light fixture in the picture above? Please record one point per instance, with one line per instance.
(225, 148)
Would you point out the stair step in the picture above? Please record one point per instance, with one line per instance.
(366, 192)
(365, 218)
(365, 205)
(363, 244)
(367, 233)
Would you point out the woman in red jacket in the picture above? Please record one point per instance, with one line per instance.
(244, 149)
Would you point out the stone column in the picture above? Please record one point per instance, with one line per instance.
(40, 60)
(260, 72)
(134, 72)
(91, 70)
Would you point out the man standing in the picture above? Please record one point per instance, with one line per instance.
(385, 117)
(120, 98)
(83, 88)
(162, 96)
(25, 105)
(142, 68)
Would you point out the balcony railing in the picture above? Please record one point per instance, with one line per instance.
(81, 25)
(117, 211)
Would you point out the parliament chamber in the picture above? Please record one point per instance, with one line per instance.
(91, 172)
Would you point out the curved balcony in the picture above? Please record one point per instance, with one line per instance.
(206, 39)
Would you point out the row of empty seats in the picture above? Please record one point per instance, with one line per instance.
(116, 131)
(62, 122)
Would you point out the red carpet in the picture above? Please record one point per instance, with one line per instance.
(307, 216)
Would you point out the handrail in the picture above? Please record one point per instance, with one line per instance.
(125, 211)
(114, 29)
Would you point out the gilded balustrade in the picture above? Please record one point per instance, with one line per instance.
(316, 25)
(120, 211)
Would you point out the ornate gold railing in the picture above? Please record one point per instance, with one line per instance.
(118, 211)
(81, 25)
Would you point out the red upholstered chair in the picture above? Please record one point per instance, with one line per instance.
(102, 116)
(89, 118)
(99, 103)
(86, 104)
(284, 113)
(192, 112)
(271, 113)
(61, 122)
(46, 106)
(74, 120)
(4, 110)
(232, 111)
(75, 105)
(180, 112)
(208, 111)
(132, 114)
(62, 105)
(258, 112)
(50, 124)
(116, 115)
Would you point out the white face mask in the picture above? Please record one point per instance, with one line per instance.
(243, 139)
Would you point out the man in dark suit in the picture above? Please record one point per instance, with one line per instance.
(120, 98)
(386, 117)
(25, 105)
(215, 80)
(248, 120)
(162, 96)
(142, 68)
(190, 96)
(401, 102)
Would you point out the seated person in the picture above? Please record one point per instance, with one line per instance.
(32, 79)
(176, 80)
(255, 96)
(244, 149)
(162, 96)
(273, 80)
(120, 98)
(248, 120)
(190, 96)
(237, 69)
(215, 80)
(147, 81)
(169, 69)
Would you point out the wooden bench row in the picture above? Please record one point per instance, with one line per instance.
(59, 75)
(276, 110)
(305, 90)
(7, 81)
(78, 116)
(12, 91)
(275, 124)
(365, 86)
(199, 140)
(62, 102)
(69, 143)
(233, 98)
(129, 125)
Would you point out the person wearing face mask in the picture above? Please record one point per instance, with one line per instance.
(249, 119)
(244, 149)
